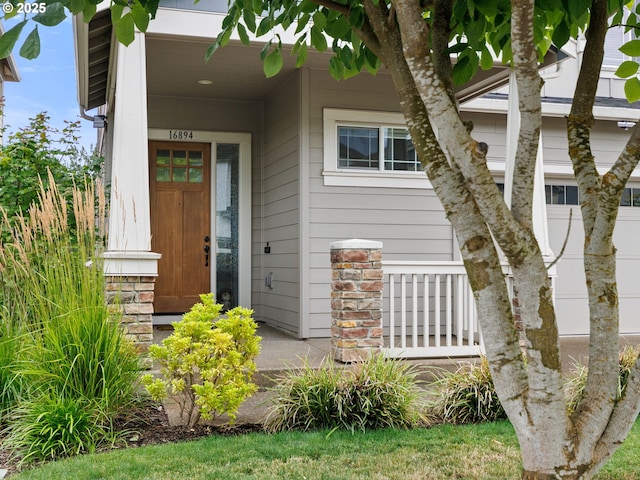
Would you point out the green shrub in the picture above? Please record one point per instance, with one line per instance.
(207, 364)
(466, 396)
(577, 381)
(374, 393)
(50, 428)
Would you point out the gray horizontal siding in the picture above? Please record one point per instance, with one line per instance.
(279, 208)
(409, 222)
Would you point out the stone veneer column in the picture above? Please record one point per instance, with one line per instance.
(132, 297)
(356, 299)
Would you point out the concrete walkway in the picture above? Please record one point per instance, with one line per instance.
(281, 352)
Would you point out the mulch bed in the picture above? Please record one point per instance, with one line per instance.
(149, 426)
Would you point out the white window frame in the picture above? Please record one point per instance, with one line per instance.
(352, 177)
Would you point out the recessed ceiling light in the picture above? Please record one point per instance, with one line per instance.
(205, 82)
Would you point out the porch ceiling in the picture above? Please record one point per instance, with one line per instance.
(174, 67)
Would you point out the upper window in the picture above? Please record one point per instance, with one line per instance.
(363, 148)
(568, 195)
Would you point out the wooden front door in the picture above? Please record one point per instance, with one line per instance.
(180, 189)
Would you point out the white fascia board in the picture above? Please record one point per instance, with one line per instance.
(191, 23)
(494, 105)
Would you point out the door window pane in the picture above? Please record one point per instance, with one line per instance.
(163, 157)
(195, 175)
(163, 174)
(179, 174)
(227, 216)
(195, 159)
(179, 157)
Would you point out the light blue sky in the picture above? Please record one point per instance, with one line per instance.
(48, 83)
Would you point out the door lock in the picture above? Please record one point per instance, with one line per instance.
(206, 255)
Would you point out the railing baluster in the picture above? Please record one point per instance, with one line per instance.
(448, 311)
(392, 310)
(436, 313)
(460, 309)
(414, 322)
(403, 310)
(426, 310)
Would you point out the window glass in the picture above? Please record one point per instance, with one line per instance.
(179, 174)
(399, 152)
(572, 195)
(636, 197)
(625, 201)
(195, 159)
(163, 157)
(163, 174)
(179, 157)
(557, 194)
(358, 147)
(195, 175)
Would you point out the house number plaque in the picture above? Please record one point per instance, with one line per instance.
(180, 134)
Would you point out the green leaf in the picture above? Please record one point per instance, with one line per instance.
(76, 6)
(140, 17)
(116, 13)
(89, 11)
(486, 59)
(302, 55)
(631, 48)
(244, 37)
(31, 46)
(561, 34)
(627, 69)
(464, 69)
(125, 29)
(319, 20)
(632, 89)
(264, 27)
(318, 39)
(9, 39)
(273, 63)
(52, 16)
(249, 19)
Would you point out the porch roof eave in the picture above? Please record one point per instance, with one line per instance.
(95, 52)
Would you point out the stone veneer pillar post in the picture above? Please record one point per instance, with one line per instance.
(356, 299)
(132, 297)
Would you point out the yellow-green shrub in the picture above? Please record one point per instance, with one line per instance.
(208, 362)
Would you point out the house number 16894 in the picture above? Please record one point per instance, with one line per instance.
(180, 135)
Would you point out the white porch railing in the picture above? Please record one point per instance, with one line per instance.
(429, 311)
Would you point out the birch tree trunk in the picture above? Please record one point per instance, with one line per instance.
(554, 444)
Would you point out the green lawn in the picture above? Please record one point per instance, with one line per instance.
(486, 452)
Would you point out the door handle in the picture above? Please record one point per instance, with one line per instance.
(206, 255)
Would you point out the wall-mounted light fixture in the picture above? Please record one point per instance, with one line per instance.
(626, 125)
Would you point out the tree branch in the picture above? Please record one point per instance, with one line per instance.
(525, 63)
(580, 118)
(440, 35)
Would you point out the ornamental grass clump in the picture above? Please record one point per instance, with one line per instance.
(68, 371)
(375, 393)
(207, 364)
(466, 395)
(577, 381)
